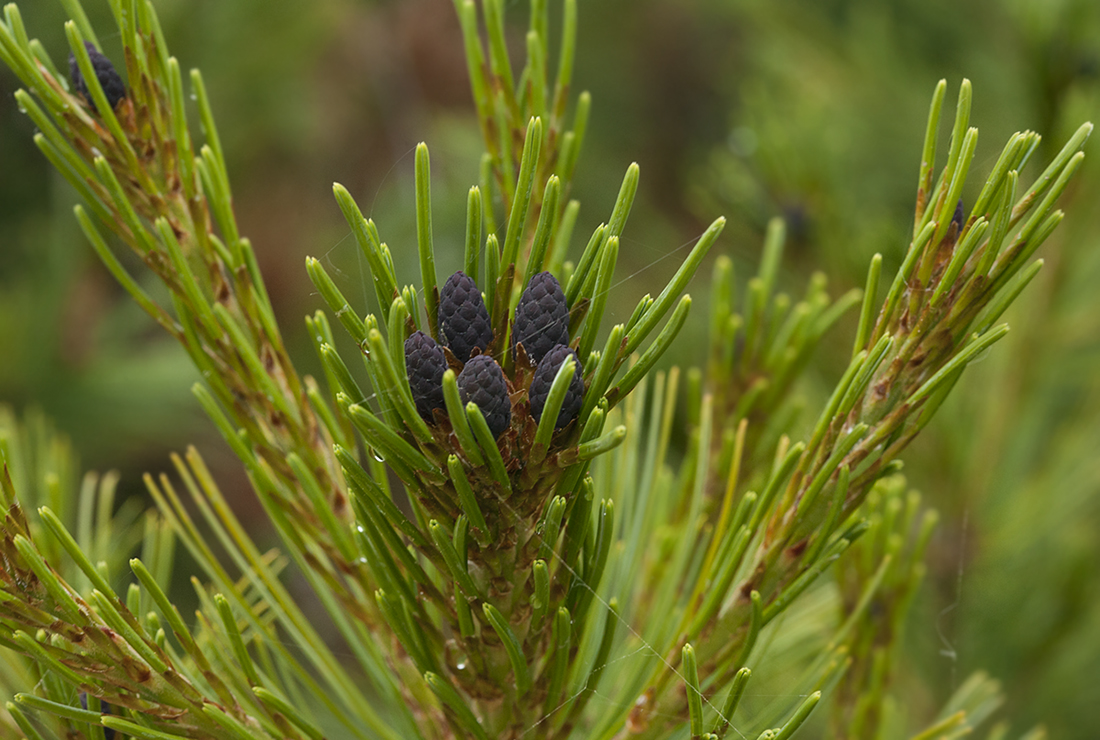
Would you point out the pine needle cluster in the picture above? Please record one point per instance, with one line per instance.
(483, 496)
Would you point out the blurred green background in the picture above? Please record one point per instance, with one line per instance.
(814, 111)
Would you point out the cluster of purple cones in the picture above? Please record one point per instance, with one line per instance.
(540, 327)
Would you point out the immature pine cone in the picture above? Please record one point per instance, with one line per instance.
(542, 317)
(544, 378)
(482, 381)
(425, 364)
(104, 71)
(463, 320)
(105, 708)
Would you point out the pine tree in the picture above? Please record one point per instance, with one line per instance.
(483, 501)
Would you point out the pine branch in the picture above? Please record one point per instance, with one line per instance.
(550, 536)
(938, 316)
(144, 178)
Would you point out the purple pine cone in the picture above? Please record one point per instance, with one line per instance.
(957, 219)
(425, 364)
(104, 707)
(105, 72)
(463, 320)
(542, 317)
(482, 381)
(544, 378)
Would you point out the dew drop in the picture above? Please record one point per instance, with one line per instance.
(461, 666)
(360, 528)
(376, 456)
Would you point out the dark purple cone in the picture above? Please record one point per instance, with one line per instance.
(105, 72)
(463, 320)
(957, 219)
(482, 381)
(542, 317)
(104, 707)
(544, 378)
(425, 364)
